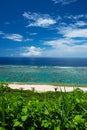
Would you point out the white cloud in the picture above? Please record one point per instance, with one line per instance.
(72, 41)
(42, 22)
(38, 20)
(74, 21)
(76, 17)
(31, 51)
(81, 23)
(77, 33)
(71, 32)
(64, 2)
(66, 51)
(14, 37)
(33, 34)
(75, 28)
(66, 48)
(28, 39)
(59, 42)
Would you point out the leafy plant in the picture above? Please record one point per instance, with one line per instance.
(26, 110)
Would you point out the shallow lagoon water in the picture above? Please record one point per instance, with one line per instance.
(44, 70)
(44, 74)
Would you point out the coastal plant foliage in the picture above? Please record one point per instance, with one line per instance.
(28, 110)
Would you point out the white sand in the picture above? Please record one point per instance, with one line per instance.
(44, 88)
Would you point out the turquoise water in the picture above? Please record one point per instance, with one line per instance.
(44, 74)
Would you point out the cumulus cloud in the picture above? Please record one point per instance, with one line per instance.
(66, 51)
(73, 32)
(14, 37)
(31, 51)
(64, 2)
(61, 42)
(74, 20)
(75, 28)
(72, 39)
(38, 20)
(66, 48)
(81, 23)
(72, 36)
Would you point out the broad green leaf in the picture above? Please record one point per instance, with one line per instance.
(77, 100)
(57, 128)
(46, 112)
(25, 110)
(24, 118)
(17, 123)
(78, 119)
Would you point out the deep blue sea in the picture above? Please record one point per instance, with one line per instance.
(44, 70)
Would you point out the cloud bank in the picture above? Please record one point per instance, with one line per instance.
(72, 41)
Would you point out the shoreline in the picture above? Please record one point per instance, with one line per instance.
(45, 87)
(52, 84)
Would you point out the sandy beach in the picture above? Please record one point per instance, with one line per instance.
(44, 88)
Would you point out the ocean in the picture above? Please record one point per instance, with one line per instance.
(70, 71)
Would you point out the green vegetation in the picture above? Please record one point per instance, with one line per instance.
(27, 110)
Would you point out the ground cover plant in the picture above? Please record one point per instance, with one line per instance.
(28, 110)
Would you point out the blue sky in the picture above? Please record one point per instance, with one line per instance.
(43, 28)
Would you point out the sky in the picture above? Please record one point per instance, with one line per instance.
(43, 28)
